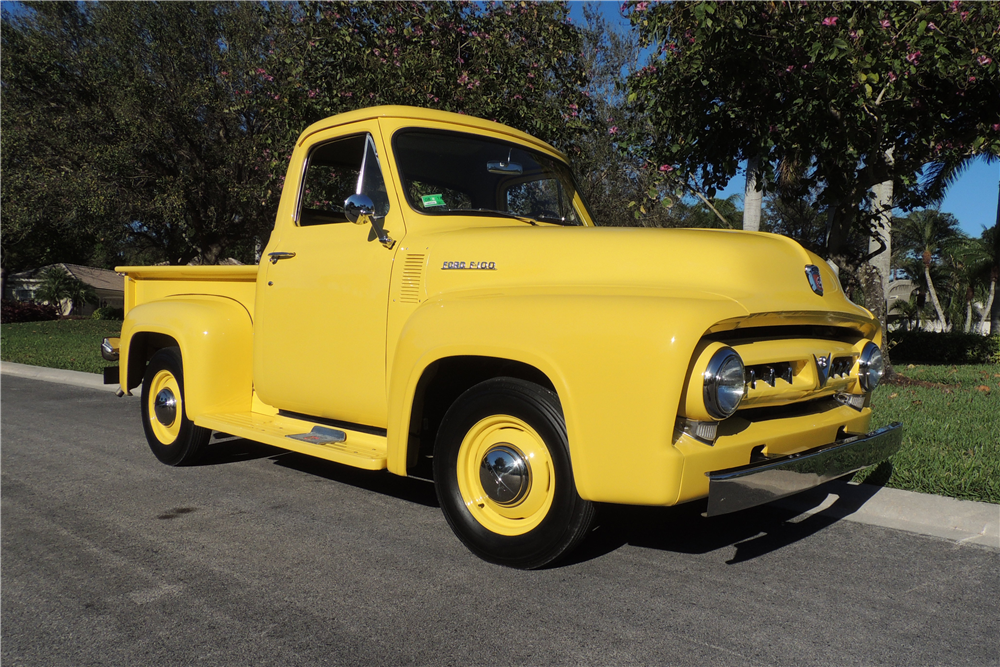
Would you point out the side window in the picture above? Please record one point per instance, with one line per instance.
(337, 170)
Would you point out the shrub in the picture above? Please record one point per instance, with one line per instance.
(12, 312)
(109, 313)
(924, 347)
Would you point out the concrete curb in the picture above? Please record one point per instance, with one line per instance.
(57, 375)
(959, 521)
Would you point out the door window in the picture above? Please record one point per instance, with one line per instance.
(335, 171)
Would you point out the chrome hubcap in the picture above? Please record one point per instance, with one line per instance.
(505, 475)
(165, 407)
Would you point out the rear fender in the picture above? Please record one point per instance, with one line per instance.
(215, 335)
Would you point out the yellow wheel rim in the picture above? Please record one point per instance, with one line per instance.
(163, 388)
(526, 508)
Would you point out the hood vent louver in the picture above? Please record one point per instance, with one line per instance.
(413, 277)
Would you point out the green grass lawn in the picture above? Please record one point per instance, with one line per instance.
(71, 344)
(951, 414)
(951, 437)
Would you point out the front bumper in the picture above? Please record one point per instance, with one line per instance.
(758, 483)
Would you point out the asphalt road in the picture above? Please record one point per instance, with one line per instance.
(260, 557)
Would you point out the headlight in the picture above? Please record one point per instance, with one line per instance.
(724, 383)
(870, 367)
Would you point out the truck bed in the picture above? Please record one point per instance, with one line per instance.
(149, 283)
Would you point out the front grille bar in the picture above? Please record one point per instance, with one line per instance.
(768, 373)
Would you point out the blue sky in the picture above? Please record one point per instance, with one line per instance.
(972, 199)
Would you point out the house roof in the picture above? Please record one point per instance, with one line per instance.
(97, 278)
(101, 279)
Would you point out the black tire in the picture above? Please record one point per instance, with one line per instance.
(528, 520)
(179, 442)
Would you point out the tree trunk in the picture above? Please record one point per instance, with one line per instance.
(995, 311)
(871, 286)
(882, 210)
(990, 302)
(934, 298)
(876, 273)
(753, 196)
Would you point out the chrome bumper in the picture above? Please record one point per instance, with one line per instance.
(109, 348)
(761, 482)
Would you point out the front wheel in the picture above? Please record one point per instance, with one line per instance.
(174, 438)
(503, 475)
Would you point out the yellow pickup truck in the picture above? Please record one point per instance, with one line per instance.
(435, 296)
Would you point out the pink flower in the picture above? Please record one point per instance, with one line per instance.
(885, 24)
(613, 130)
(641, 7)
(892, 77)
(830, 20)
(312, 93)
(955, 5)
(912, 57)
(666, 168)
(984, 60)
(931, 26)
(995, 127)
(224, 73)
(464, 79)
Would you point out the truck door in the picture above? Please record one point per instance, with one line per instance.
(320, 320)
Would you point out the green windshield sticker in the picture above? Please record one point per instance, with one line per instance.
(432, 200)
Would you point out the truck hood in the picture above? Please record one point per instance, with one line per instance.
(764, 273)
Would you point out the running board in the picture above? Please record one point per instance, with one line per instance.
(360, 450)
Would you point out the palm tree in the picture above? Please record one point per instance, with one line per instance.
(910, 311)
(59, 287)
(972, 262)
(928, 234)
(942, 175)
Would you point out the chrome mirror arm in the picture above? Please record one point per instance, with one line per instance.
(361, 211)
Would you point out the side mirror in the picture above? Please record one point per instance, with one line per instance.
(360, 210)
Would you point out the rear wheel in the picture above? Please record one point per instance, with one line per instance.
(503, 475)
(173, 438)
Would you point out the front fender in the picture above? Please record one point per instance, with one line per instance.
(215, 335)
(618, 363)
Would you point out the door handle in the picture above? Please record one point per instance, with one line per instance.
(275, 256)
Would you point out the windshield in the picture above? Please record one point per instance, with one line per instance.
(450, 173)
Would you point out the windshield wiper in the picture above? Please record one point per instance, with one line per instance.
(502, 214)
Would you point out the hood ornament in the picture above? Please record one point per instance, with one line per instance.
(823, 367)
(815, 281)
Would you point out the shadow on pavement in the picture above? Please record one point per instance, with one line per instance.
(754, 532)
(225, 449)
(682, 529)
